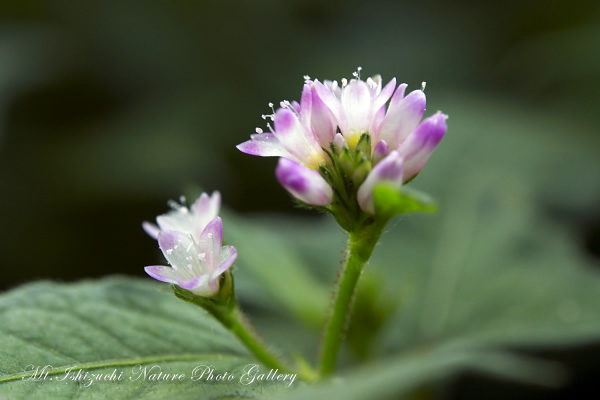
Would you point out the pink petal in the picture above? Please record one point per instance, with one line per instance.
(417, 148)
(398, 96)
(226, 259)
(402, 118)
(384, 95)
(161, 273)
(200, 286)
(151, 229)
(210, 241)
(340, 141)
(303, 183)
(180, 251)
(264, 145)
(295, 138)
(306, 106)
(356, 101)
(323, 123)
(332, 102)
(389, 170)
(207, 205)
(380, 151)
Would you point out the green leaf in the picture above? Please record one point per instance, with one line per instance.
(115, 324)
(390, 202)
(403, 375)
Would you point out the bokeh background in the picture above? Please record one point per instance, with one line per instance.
(110, 108)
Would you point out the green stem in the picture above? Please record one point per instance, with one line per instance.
(236, 323)
(361, 243)
(224, 308)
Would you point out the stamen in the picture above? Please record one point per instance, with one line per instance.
(423, 85)
(306, 78)
(357, 73)
(344, 82)
(175, 206)
(258, 130)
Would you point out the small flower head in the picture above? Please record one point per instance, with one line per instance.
(197, 261)
(342, 140)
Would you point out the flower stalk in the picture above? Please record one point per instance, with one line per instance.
(361, 243)
(225, 309)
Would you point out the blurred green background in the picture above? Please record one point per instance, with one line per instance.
(110, 108)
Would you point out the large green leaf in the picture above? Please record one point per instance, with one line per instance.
(118, 324)
(129, 330)
(403, 375)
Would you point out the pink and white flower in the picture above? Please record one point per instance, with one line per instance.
(193, 246)
(340, 115)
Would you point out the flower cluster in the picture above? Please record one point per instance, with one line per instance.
(340, 142)
(191, 241)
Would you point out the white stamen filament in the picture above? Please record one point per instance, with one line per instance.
(176, 206)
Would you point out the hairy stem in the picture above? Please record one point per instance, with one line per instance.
(237, 324)
(361, 243)
(227, 312)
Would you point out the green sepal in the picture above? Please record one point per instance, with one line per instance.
(361, 171)
(390, 201)
(346, 161)
(363, 148)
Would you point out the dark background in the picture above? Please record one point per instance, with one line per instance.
(110, 108)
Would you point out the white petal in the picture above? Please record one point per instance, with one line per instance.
(356, 101)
